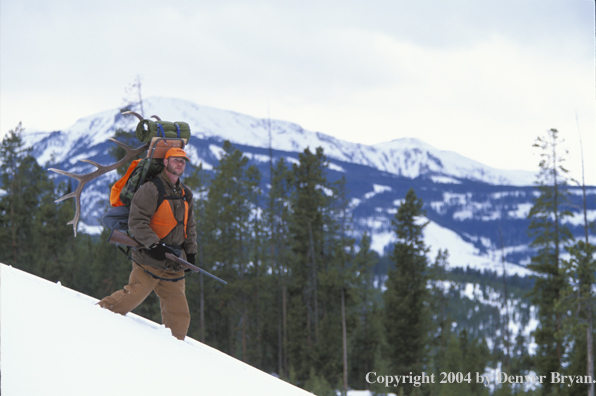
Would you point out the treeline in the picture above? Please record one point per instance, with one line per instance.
(302, 299)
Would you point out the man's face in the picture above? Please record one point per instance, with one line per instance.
(175, 165)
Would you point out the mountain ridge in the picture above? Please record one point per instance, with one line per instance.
(409, 157)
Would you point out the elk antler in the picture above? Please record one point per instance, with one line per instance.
(101, 169)
(135, 114)
(156, 117)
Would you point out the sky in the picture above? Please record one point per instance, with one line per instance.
(481, 78)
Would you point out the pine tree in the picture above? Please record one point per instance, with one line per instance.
(25, 184)
(29, 217)
(229, 240)
(366, 336)
(407, 314)
(15, 220)
(577, 299)
(550, 235)
(343, 274)
(439, 305)
(313, 309)
(198, 183)
(277, 219)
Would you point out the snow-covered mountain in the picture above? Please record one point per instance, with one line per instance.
(476, 212)
(407, 157)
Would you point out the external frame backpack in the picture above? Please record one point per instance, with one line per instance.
(162, 136)
(138, 173)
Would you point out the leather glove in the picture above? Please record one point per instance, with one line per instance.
(158, 251)
(191, 258)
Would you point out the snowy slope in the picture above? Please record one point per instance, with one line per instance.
(461, 253)
(56, 341)
(407, 157)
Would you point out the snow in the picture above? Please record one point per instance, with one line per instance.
(407, 157)
(462, 254)
(257, 157)
(377, 189)
(89, 229)
(487, 295)
(578, 218)
(521, 212)
(335, 167)
(56, 341)
(444, 180)
(380, 240)
(217, 151)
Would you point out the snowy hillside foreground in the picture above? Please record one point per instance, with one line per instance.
(56, 341)
(406, 157)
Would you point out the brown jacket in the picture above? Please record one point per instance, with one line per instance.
(142, 208)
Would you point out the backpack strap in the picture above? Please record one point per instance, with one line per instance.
(161, 192)
(161, 196)
(161, 132)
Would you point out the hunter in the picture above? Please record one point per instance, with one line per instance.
(161, 218)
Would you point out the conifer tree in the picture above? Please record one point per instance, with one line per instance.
(229, 238)
(549, 235)
(407, 316)
(33, 231)
(277, 218)
(439, 305)
(309, 257)
(578, 299)
(198, 183)
(14, 216)
(366, 336)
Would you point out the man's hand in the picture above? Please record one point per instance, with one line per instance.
(158, 251)
(191, 257)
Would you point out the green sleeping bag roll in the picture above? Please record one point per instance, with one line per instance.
(148, 129)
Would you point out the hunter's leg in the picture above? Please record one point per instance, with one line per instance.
(140, 285)
(175, 314)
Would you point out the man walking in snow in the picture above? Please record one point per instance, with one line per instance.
(161, 218)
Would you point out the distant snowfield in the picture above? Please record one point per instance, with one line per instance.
(56, 341)
(462, 254)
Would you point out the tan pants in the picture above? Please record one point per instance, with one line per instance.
(172, 299)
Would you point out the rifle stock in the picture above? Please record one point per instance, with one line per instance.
(119, 238)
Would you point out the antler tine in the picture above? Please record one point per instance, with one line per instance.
(84, 179)
(135, 114)
(156, 117)
(119, 143)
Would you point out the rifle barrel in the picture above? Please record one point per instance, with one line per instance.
(192, 267)
(119, 238)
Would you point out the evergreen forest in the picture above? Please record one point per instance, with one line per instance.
(308, 302)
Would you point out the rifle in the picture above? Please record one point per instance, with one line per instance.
(119, 238)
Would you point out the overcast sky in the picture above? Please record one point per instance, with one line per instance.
(482, 78)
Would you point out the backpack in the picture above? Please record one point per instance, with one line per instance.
(138, 172)
(116, 218)
(162, 135)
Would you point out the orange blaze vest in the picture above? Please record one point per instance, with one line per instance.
(163, 221)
